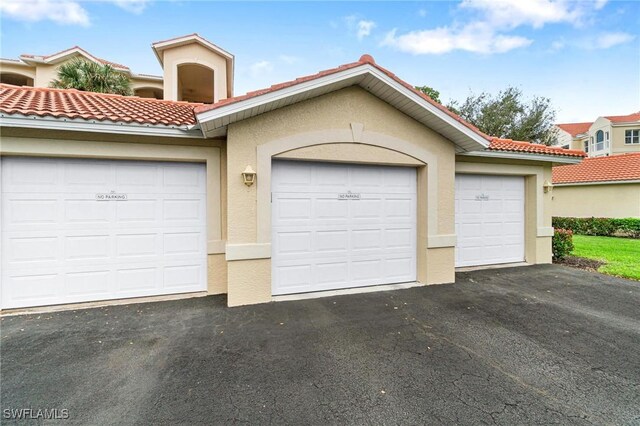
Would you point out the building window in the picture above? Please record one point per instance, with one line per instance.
(606, 140)
(632, 136)
(599, 140)
(586, 146)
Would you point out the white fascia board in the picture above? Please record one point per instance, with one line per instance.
(18, 62)
(335, 78)
(602, 182)
(524, 156)
(625, 123)
(430, 107)
(80, 125)
(192, 38)
(146, 77)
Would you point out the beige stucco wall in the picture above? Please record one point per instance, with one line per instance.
(616, 200)
(347, 125)
(25, 142)
(619, 147)
(193, 54)
(10, 68)
(578, 143)
(140, 83)
(538, 229)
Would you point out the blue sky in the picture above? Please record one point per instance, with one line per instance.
(584, 55)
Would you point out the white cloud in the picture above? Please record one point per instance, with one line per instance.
(477, 38)
(365, 28)
(133, 6)
(536, 13)
(607, 40)
(65, 12)
(599, 4)
(361, 27)
(490, 26)
(260, 68)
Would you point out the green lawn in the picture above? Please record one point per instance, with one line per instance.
(621, 254)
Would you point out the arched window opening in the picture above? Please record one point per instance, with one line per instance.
(16, 79)
(599, 140)
(195, 83)
(149, 92)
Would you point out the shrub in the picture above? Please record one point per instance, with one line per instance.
(562, 243)
(628, 227)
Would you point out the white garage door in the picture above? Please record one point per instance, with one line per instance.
(489, 219)
(82, 230)
(340, 226)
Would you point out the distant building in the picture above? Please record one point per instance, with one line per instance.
(608, 135)
(194, 70)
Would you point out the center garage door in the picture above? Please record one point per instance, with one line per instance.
(77, 230)
(340, 226)
(489, 219)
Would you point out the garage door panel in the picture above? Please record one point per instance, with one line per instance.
(82, 247)
(83, 176)
(88, 284)
(332, 241)
(137, 245)
(82, 211)
(31, 249)
(152, 243)
(347, 242)
(489, 219)
(29, 211)
(23, 290)
(182, 276)
(25, 175)
(332, 274)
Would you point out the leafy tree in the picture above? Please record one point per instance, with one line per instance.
(430, 92)
(508, 115)
(89, 76)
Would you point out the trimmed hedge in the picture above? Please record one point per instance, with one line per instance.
(561, 243)
(603, 226)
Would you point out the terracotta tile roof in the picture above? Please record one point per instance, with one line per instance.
(600, 169)
(70, 103)
(498, 144)
(364, 59)
(624, 118)
(102, 61)
(575, 128)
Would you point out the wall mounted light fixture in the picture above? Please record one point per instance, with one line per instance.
(547, 186)
(249, 176)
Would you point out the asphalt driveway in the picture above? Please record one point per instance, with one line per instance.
(539, 344)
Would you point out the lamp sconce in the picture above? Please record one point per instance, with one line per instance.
(547, 186)
(249, 176)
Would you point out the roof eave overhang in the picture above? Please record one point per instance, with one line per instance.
(97, 126)
(52, 60)
(560, 159)
(366, 76)
(600, 182)
(624, 123)
(16, 62)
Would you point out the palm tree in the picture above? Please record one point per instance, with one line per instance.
(89, 76)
